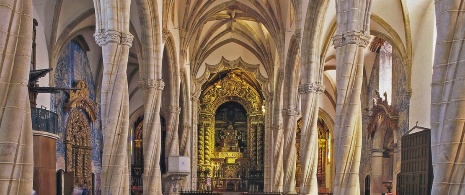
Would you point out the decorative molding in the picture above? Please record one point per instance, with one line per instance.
(311, 88)
(172, 109)
(382, 111)
(45, 134)
(165, 34)
(152, 83)
(359, 38)
(231, 88)
(226, 64)
(80, 99)
(112, 36)
(290, 112)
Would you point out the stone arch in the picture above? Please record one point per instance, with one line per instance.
(393, 38)
(151, 55)
(310, 62)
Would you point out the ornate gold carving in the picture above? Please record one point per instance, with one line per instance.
(78, 137)
(80, 99)
(78, 157)
(231, 88)
(219, 154)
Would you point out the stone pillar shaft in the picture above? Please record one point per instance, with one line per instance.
(447, 99)
(16, 159)
(278, 141)
(347, 133)
(309, 137)
(152, 136)
(172, 135)
(268, 148)
(353, 18)
(195, 160)
(290, 156)
(115, 117)
(112, 34)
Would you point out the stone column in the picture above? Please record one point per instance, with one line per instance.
(376, 178)
(268, 164)
(448, 99)
(152, 135)
(195, 158)
(16, 159)
(278, 137)
(310, 90)
(290, 154)
(172, 135)
(309, 137)
(173, 181)
(112, 34)
(115, 110)
(350, 40)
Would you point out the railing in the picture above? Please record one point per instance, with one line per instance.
(262, 193)
(44, 120)
(198, 193)
(243, 193)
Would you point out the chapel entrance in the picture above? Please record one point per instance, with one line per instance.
(231, 133)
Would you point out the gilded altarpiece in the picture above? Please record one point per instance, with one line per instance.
(323, 153)
(230, 136)
(83, 112)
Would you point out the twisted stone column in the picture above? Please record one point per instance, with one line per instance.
(16, 157)
(152, 135)
(290, 154)
(309, 137)
(112, 34)
(348, 125)
(115, 110)
(278, 138)
(172, 135)
(448, 99)
(351, 38)
(195, 160)
(310, 90)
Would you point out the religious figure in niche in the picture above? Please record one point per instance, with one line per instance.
(229, 142)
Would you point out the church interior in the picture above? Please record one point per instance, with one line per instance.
(232, 97)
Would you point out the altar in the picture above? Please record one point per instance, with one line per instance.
(230, 184)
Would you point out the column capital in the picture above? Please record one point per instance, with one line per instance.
(172, 109)
(355, 37)
(311, 88)
(290, 112)
(106, 36)
(152, 83)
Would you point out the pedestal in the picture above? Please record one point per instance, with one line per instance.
(178, 170)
